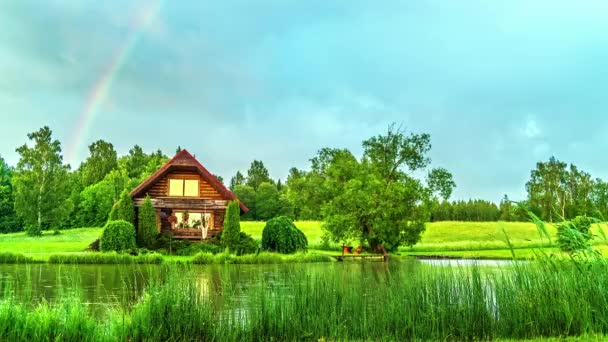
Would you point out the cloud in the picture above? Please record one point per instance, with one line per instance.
(531, 130)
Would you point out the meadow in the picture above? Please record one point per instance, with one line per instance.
(452, 239)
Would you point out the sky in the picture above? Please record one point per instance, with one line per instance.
(499, 85)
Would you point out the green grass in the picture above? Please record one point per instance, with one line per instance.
(312, 230)
(458, 239)
(543, 301)
(69, 241)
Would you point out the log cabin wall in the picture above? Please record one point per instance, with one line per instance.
(218, 222)
(206, 190)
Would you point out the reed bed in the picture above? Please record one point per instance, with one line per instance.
(550, 298)
(105, 258)
(261, 258)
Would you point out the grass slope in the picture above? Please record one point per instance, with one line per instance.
(461, 239)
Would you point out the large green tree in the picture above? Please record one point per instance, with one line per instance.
(257, 174)
(101, 161)
(267, 201)
(40, 183)
(147, 228)
(247, 195)
(237, 180)
(379, 200)
(9, 222)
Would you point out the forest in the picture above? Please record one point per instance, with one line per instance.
(41, 192)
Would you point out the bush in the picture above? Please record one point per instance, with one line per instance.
(94, 246)
(574, 235)
(232, 226)
(245, 245)
(147, 229)
(117, 236)
(125, 209)
(281, 235)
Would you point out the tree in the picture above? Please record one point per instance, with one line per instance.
(506, 209)
(136, 162)
(237, 180)
(125, 209)
(147, 228)
(266, 201)
(101, 161)
(97, 200)
(378, 199)
(232, 226)
(9, 222)
(257, 174)
(155, 161)
(247, 196)
(546, 188)
(40, 183)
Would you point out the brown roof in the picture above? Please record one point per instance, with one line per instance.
(184, 160)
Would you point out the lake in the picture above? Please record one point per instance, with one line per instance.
(100, 286)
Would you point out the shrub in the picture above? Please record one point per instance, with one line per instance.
(94, 246)
(281, 235)
(125, 209)
(147, 229)
(117, 236)
(574, 236)
(232, 226)
(245, 245)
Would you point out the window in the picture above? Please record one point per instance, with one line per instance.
(183, 187)
(194, 220)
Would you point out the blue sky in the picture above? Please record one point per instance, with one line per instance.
(499, 85)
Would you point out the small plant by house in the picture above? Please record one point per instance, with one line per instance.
(281, 235)
(117, 236)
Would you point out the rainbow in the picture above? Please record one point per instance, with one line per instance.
(101, 89)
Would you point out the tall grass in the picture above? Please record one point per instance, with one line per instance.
(261, 258)
(550, 298)
(105, 258)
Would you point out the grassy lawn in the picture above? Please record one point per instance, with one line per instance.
(69, 241)
(457, 239)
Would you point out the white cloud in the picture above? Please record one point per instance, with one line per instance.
(531, 130)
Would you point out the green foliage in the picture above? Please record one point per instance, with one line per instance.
(260, 258)
(237, 180)
(281, 235)
(247, 195)
(266, 201)
(560, 192)
(117, 236)
(96, 201)
(105, 258)
(40, 183)
(101, 161)
(125, 209)
(147, 230)
(575, 235)
(378, 200)
(245, 244)
(471, 211)
(9, 222)
(257, 174)
(232, 226)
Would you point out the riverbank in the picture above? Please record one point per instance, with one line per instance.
(485, 240)
(528, 301)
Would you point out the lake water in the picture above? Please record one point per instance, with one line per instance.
(100, 286)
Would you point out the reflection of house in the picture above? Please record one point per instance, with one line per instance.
(183, 193)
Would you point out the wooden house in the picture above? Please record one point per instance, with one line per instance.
(187, 198)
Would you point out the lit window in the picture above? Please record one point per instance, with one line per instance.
(176, 187)
(183, 188)
(191, 188)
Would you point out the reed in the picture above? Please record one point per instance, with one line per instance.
(548, 298)
(261, 258)
(105, 258)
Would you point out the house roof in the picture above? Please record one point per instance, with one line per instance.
(181, 160)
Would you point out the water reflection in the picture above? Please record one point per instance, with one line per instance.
(100, 286)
